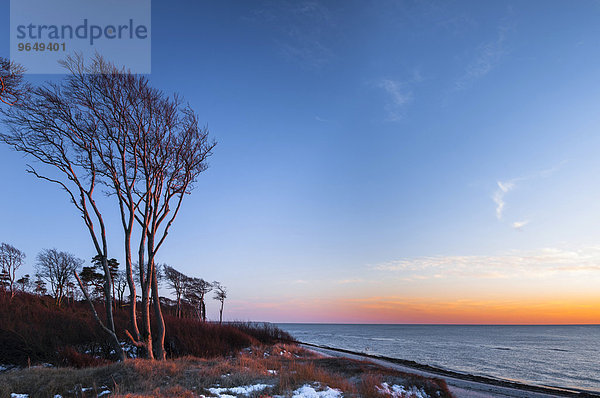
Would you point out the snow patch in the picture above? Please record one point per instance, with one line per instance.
(15, 395)
(307, 391)
(399, 391)
(241, 390)
(104, 393)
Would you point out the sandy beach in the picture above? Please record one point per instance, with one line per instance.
(461, 385)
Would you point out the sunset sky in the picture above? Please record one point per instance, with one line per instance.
(377, 161)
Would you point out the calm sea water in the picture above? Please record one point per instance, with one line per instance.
(560, 356)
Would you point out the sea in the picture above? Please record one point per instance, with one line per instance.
(556, 356)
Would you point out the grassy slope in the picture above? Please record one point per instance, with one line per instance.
(202, 355)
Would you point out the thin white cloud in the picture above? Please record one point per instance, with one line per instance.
(488, 55)
(398, 97)
(537, 264)
(506, 186)
(503, 188)
(518, 225)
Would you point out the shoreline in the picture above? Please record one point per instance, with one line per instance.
(466, 378)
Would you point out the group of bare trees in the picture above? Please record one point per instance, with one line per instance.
(105, 129)
(191, 292)
(53, 268)
(11, 260)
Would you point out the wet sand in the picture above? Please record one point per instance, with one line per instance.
(460, 384)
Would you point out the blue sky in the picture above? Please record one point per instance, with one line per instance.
(370, 150)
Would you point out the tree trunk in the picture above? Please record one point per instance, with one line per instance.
(146, 330)
(132, 293)
(160, 322)
(113, 337)
(221, 313)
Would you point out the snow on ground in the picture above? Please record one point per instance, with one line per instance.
(398, 391)
(306, 391)
(242, 390)
(15, 395)
(103, 393)
(273, 372)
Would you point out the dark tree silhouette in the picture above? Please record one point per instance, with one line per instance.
(195, 292)
(24, 283)
(57, 268)
(39, 286)
(177, 281)
(94, 279)
(11, 260)
(220, 295)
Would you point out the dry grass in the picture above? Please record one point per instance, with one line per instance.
(284, 367)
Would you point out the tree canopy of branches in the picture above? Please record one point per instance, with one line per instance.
(178, 283)
(11, 82)
(195, 291)
(11, 260)
(220, 295)
(104, 125)
(57, 268)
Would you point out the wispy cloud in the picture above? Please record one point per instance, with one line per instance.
(487, 56)
(503, 188)
(398, 96)
(537, 263)
(303, 28)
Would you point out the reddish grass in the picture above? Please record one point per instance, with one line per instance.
(34, 330)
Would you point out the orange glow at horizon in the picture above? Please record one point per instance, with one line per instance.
(584, 310)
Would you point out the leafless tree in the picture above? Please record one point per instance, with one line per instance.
(50, 126)
(57, 268)
(144, 146)
(177, 282)
(11, 259)
(220, 295)
(120, 281)
(196, 290)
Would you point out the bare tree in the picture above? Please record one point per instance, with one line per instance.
(11, 259)
(195, 292)
(220, 295)
(120, 281)
(57, 268)
(177, 282)
(145, 147)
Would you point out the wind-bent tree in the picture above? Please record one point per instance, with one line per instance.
(49, 125)
(120, 281)
(57, 268)
(93, 279)
(177, 282)
(104, 125)
(220, 295)
(25, 283)
(39, 286)
(150, 150)
(11, 259)
(196, 290)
